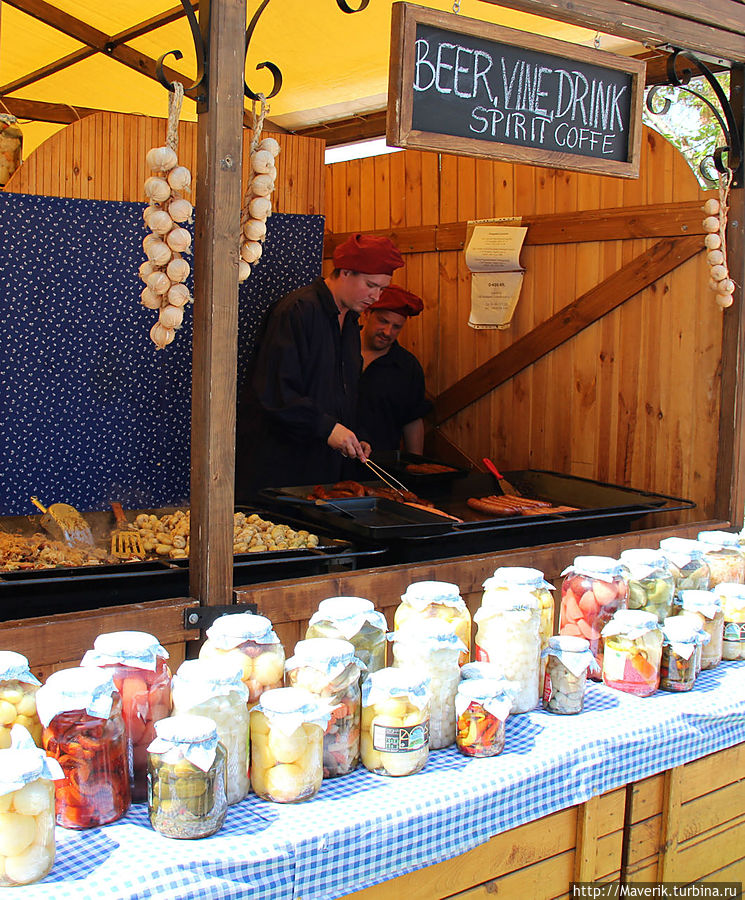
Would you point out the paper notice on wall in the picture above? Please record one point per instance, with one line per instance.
(492, 254)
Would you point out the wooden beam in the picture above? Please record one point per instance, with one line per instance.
(215, 342)
(38, 111)
(347, 130)
(647, 24)
(645, 269)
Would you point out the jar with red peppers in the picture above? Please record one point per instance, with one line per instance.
(81, 712)
(481, 710)
(249, 640)
(137, 663)
(594, 587)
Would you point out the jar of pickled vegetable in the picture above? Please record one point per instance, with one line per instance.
(395, 722)
(27, 777)
(687, 564)
(707, 607)
(436, 599)
(433, 648)
(81, 712)
(633, 651)
(213, 688)
(329, 669)
(567, 660)
(481, 709)
(508, 637)
(724, 556)
(733, 609)
(694, 622)
(356, 620)
(531, 580)
(680, 639)
(18, 687)
(186, 778)
(137, 663)
(250, 640)
(651, 582)
(287, 728)
(594, 587)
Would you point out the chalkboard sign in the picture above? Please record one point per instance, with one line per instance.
(463, 86)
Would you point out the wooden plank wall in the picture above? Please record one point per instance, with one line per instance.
(102, 157)
(633, 399)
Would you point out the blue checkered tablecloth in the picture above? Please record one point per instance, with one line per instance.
(362, 829)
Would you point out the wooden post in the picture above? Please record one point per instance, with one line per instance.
(218, 200)
(671, 803)
(586, 848)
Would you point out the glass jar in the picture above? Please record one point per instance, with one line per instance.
(687, 564)
(594, 587)
(329, 669)
(27, 778)
(356, 620)
(724, 556)
(395, 722)
(567, 661)
(651, 582)
(137, 663)
(680, 640)
(11, 147)
(531, 580)
(508, 637)
(186, 778)
(707, 607)
(287, 729)
(432, 648)
(213, 688)
(250, 640)
(481, 709)
(18, 687)
(732, 597)
(633, 651)
(436, 599)
(694, 622)
(81, 712)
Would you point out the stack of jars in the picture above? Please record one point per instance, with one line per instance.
(732, 597)
(481, 708)
(706, 608)
(18, 689)
(651, 582)
(724, 556)
(567, 660)
(632, 653)
(356, 620)
(440, 600)
(687, 563)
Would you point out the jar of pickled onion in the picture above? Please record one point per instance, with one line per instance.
(137, 663)
(356, 620)
(440, 600)
(633, 651)
(81, 712)
(18, 687)
(481, 709)
(707, 607)
(567, 660)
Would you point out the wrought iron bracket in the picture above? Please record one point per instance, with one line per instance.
(198, 90)
(727, 156)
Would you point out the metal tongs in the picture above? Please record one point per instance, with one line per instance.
(393, 483)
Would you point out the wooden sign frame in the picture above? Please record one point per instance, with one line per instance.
(401, 133)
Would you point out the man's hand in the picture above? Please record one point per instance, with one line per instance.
(345, 441)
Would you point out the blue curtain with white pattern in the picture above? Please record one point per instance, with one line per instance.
(90, 411)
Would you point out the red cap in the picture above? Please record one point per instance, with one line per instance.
(398, 300)
(368, 253)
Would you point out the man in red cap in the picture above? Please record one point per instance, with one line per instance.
(296, 422)
(391, 400)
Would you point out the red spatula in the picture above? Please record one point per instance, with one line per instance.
(505, 486)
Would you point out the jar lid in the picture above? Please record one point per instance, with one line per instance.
(643, 558)
(479, 670)
(630, 622)
(568, 643)
(396, 682)
(600, 567)
(132, 648)
(719, 539)
(727, 590)
(233, 629)
(681, 545)
(88, 689)
(517, 576)
(707, 603)
(431, 634)
(202, 679)
(510, 600)
(345, 606)
(24, 762)
(683, 629)
(328, 655)
(421, 593)
(185, 736)
(349, 614)
(290, 707)
(14, 667)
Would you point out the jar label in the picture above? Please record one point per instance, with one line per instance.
(480, 654)
(400, 739)
(734, 631)
(547, 689)
(614, 663)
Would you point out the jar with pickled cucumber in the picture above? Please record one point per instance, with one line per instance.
(508, 637)
(594, 587)
(287, 728)
(687, 564)
(81, 712)
(138, 665)
(18, 687)
(651, 582)
(395, 722)
(481, 709)
(328, 668)
(251, 641)
(356, 620)
(732, 597)
(440, 600)
(531, 580)
(633, 651)
(433, 648)
(567, 660)
(186, 778)
(27, 777)
(213, 688)
(707, 607)
(724, 556)
(681, 637)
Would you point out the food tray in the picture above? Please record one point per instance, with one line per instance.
(396, 461)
